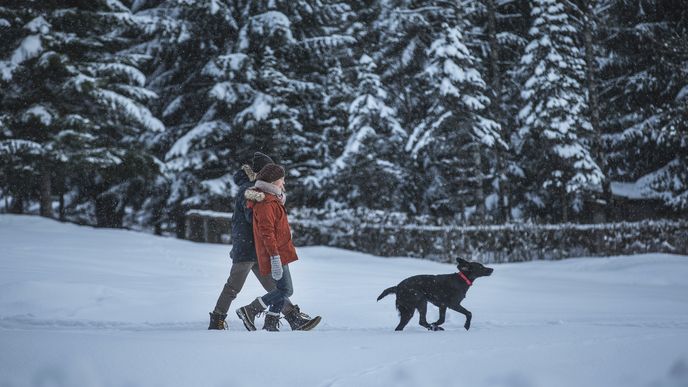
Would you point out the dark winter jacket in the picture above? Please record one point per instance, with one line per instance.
(270, 229)
(243, 246)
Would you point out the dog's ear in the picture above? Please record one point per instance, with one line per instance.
(463, 265)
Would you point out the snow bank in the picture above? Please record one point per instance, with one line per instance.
(96, 307)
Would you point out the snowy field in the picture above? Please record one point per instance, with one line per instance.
(83, 307)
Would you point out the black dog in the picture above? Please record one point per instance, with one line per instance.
(444, 291)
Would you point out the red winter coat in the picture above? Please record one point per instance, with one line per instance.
(270, 229)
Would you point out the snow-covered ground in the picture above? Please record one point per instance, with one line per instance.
(83, 307)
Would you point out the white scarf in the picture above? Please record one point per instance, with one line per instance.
(272, 189)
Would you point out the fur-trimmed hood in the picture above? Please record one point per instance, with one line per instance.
(249, 172)
(262, 190)
(254, 195)
(244, 175)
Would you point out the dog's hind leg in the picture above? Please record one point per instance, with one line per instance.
(440, 321)
(423, 310)
(405, 314)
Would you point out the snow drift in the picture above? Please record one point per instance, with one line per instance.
(96, 307)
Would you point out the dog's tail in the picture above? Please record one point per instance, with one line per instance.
(387, 292)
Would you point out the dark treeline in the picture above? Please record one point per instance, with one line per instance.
(132, 112)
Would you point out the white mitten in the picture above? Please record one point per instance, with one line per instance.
(276, 267)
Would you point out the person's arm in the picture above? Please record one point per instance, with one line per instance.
(264, 218)
(249, 198)
(248, 213)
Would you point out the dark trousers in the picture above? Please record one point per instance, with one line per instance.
(278, 297)
(235, 282)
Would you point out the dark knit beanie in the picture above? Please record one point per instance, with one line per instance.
(259, 161)
(270, 173)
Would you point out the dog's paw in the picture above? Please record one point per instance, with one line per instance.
(467, 326)
(435, 328)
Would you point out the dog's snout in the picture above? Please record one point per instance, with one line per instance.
(489, 271)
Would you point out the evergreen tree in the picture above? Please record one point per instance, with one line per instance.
(75, 106)
(305, 38)
(338, 92)
(372, 163)
(404, 32)
(555, 132)
(450, 140)
(407, 32)
(339, 80)
(202, 84)
(444, 106)
(645, 90)
(504, 26)
(273, 125)
(250, 82)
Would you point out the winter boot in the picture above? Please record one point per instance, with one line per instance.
(248, 313)
(271, 322)
(299, 321)
(217, 321)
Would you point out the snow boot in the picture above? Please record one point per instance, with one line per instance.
(271, 322)
(248, 313)
(299, 321)
(217, 321)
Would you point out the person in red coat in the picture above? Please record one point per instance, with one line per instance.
(274, 246)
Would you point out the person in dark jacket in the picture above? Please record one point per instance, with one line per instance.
(244, 258)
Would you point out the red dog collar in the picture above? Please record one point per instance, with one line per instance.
(463, 277)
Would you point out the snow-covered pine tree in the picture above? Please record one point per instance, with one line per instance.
(339, 81)
(646, 95)
(305, 38)
(338, 92)
(406, 30)
(75, 105)
(284, 99)
(450, 141)
(589, 14)
(274, 125)
(372, 165)
(555, 129)
(202, 84)
(336, 72)
(214, 76)
(400, 37)
(503, 26)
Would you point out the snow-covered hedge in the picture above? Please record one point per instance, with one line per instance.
(397, 234)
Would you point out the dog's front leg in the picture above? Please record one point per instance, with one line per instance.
(466, 313)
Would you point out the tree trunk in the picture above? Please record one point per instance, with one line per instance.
(179, 217)
(503, 203)
(46, 193)
(494, 49)
(17, 206)
(564, 207)
(109, 211)
(593, 101)
(590, 72)
(479, 192)
(505, 194)
(62, 207)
